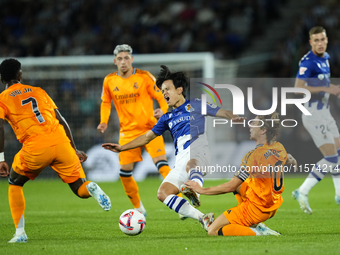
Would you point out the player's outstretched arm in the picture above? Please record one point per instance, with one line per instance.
(222, 113)
(81, 155)
(334, 90)
(227, 187)
(4, 168)
(138, 142)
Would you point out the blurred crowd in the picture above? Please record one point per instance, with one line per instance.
(294, 43)
(95, 27)
(88, 27)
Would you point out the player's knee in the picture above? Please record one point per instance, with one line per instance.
(211, 231)
(17, 180)
(161, 195)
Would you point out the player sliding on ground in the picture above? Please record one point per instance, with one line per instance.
(257, 188)
(47, 141)
(191, 143)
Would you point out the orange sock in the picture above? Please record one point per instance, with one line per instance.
(131, 190)
(82, 191)
(235, 230)
(164, 170)
(16, 203)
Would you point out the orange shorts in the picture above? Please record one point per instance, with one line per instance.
(61, 157)
(246, 213)
(155, 148)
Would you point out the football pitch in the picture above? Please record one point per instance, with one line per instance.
(58, 222)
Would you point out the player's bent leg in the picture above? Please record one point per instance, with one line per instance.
(162, 165)
(17, 205)
(166, 194)
(79, 188)
(222, 227)
(196, 176)
(131, 188)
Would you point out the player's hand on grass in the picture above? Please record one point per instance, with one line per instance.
(81, 155)
(194, 185)
(158, 113)
(4, 169)
(112, 147)
(102, 127)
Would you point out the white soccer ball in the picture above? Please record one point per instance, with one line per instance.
(132, 222)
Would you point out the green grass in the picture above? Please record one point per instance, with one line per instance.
(58, 222)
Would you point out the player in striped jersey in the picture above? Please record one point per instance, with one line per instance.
(47, 141)
(187, 127)
(314, 75)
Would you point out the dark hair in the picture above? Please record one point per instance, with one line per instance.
(271, 126)
(316, 30)
(9, 69)
(178, 78)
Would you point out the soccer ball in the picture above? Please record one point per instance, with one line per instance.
(132, 222)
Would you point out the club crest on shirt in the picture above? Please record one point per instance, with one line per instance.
(135, 85)
(189, 108)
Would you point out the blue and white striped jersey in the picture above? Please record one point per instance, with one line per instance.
(185, 123)
(316, 72)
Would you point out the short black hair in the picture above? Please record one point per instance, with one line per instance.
(9, 69)
(178, 78)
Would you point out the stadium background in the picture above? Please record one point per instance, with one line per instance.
(254, 39)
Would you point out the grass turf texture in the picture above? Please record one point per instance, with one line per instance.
(58, 222)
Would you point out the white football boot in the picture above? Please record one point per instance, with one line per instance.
(22, 238)
(303, 201)
(99, 195)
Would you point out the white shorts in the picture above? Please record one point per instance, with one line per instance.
(321, 126)
(198, 150)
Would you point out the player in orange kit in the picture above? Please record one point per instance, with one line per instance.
(258, 184)
(132, 91)
(47, 141)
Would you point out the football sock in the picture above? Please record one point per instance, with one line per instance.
(336, 176)
(318, 173)
(21, 226)
(141, 208)
(130, 187)
(16, 203)
(235, 230)
(82, 190)
(163, 167)
(336, 181)
(196, 176)
(182, 206)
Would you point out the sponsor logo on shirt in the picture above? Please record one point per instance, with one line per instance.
(116, 89)
(302, 70)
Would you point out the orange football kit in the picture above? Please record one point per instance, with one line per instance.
(132, 98)
(263, 182)
(30, 112)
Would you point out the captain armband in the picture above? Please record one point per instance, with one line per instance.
(242, 173)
